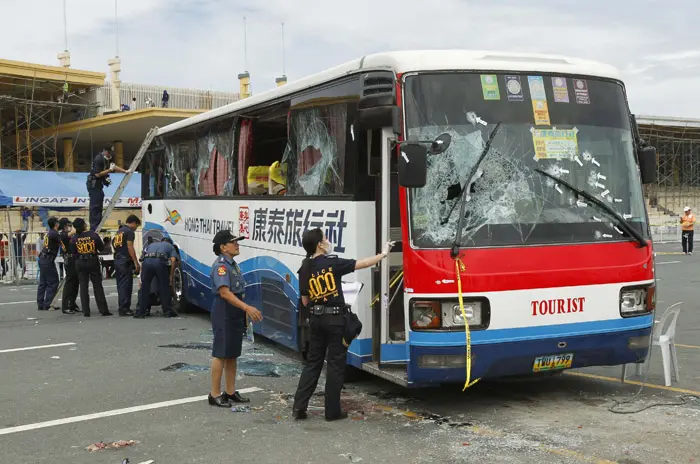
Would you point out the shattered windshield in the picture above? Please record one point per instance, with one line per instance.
(575, 129)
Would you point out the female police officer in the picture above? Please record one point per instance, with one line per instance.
(320, 284)
(228, 318)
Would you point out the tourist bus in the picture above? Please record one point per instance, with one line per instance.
(511, 184)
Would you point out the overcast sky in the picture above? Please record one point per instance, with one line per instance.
(199, 43)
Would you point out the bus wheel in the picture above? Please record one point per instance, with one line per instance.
(180, 304)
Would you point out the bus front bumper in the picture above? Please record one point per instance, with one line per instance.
(430, 365)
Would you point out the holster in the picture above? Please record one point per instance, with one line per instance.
(353, 327)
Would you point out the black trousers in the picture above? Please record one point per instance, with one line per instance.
(97, 198)
(124, 269)
(71, 287)
(687, 239)
(89, 271)
(154, 268)
(326, 335)
(48, 281)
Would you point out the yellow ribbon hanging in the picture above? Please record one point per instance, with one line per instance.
(459, 266)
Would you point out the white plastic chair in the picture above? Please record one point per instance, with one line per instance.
(666, 340)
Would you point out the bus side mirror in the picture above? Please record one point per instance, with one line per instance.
(647, 164)
(413, 166)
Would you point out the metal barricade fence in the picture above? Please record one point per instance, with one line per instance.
(669, 232)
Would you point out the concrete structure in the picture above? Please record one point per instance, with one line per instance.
(57, 118)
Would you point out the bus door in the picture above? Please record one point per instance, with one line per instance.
(390, 337)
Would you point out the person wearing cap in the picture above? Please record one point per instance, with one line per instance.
(85, 246)
(70, 288)
(159, 260)
(228, 318)
(126, 263)
(687, 226)
(98, 178)
(48, 274)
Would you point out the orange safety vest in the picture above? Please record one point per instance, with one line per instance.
(688, 222)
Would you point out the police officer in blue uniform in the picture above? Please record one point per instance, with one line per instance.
(48, 274)
(228, 319)
(158, 263)
(70, 288)
(126, 263)
(85, 247)
(98, 178)
(320, 287)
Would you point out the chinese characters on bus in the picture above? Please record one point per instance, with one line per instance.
(286, 226)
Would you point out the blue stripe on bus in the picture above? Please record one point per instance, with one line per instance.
(529, 333)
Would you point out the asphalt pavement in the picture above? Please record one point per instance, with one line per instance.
(68, 382)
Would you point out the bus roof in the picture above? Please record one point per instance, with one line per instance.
(414, 61)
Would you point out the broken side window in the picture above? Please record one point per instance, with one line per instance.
(315, 154)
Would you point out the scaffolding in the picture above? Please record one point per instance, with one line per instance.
(31, 111)
(678, 166)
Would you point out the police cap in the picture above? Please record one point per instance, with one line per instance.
(225, 236)
(64, 222)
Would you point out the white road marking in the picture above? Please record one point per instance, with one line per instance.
(114, 412)
(668, 262)
(27, 348)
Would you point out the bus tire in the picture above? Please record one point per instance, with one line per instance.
(180, 303)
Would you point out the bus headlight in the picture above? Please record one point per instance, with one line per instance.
(637, 301)
(425, 315)
(452, 314)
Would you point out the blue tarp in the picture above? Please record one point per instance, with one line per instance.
(58, 190)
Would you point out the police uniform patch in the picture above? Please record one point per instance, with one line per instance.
(221, 270)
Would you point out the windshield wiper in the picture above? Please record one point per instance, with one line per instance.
(462, 202)
(622, 222)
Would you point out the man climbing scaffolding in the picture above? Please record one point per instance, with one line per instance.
(98, 178)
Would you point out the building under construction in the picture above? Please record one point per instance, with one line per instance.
(677, 141)
(34, 101)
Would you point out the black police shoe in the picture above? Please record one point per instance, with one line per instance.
(172, 314)
(299, 415)
(236, 398)
(128, 312)
(107, 314)
(341, 416)
(139, 316)
(68, 311)
(220, 401)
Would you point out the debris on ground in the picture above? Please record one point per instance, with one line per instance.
(112, 445)
(262, 368)
(184, 367)
(393, 397)
(188, 346)
(55, 357)
(240, 409)
(351, 457)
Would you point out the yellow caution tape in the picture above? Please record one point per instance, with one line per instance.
(459, 266)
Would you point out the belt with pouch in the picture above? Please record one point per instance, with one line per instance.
(319, 310)
(44, 254)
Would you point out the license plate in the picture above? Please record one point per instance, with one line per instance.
(553, 362)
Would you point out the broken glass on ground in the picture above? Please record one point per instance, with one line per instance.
(184, 367)
(112, 445)
(247, 367)
(188, 346)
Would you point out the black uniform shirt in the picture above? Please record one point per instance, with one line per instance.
(65, 243)
(322, 282)
(124, 235)
(52, 241)
(86, 244)
(98, 165)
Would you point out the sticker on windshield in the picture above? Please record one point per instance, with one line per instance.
(581, 89)
(514, 88)
(489, 87)
(561, 92)
(537, 88)
(541, 112)
(555, 143)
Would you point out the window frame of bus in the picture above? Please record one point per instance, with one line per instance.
(355, 174)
